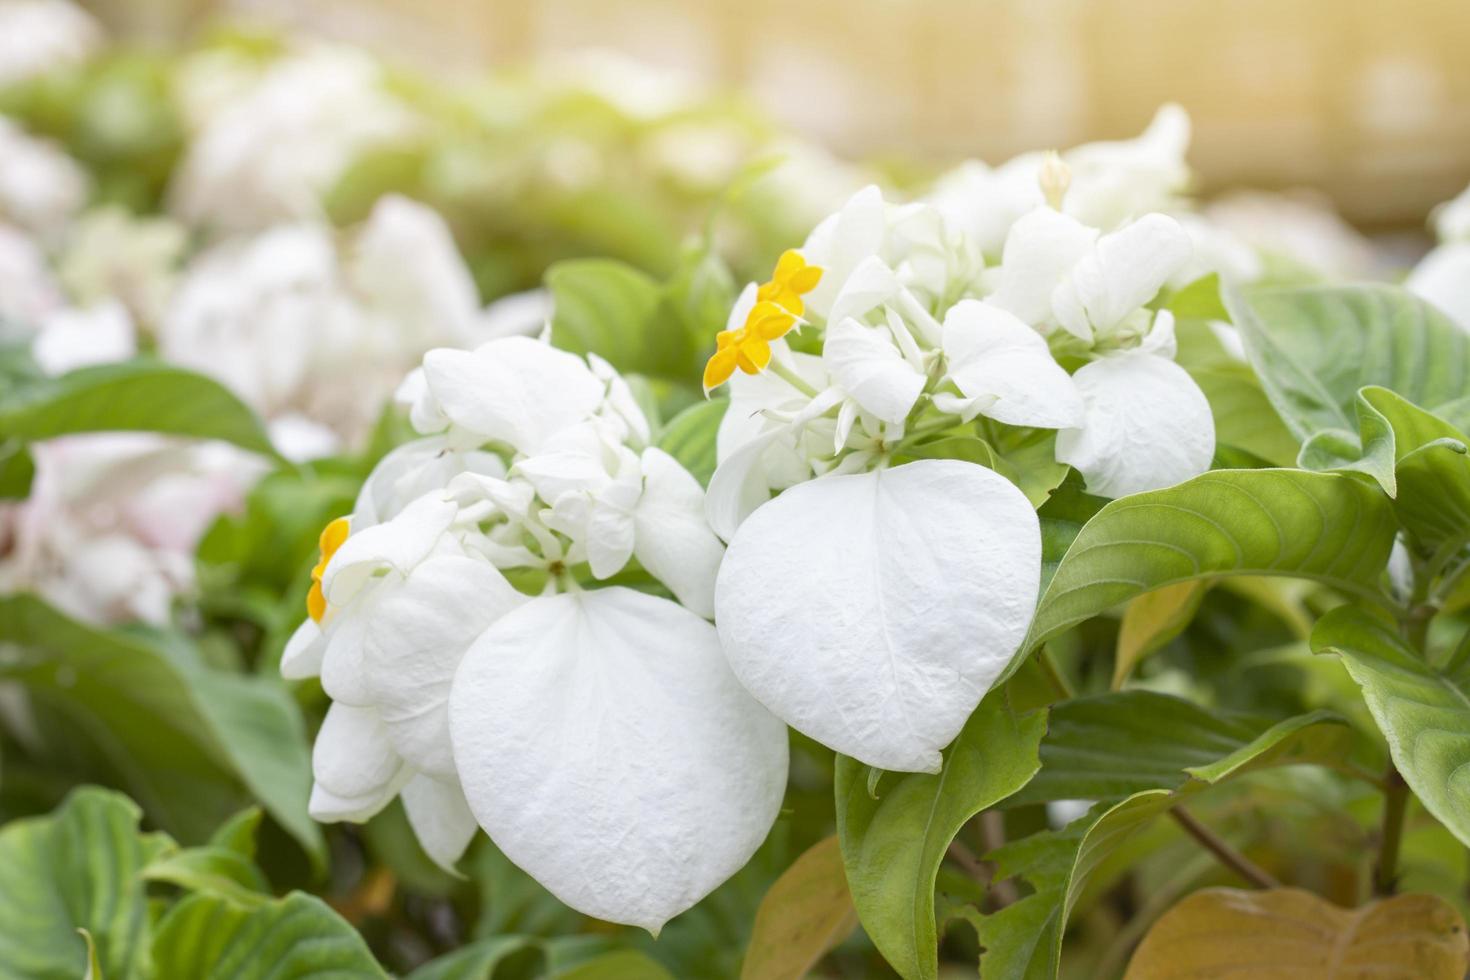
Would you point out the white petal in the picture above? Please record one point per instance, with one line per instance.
(1443, 278)
(417, 634)
(1041, 248)
(993, 354)
(357, 772)
(412, 470)
(399, 545)
(740, 484)
(869, 286)
(343, 670)
(611, 535)
(1124, 272)
(873, 611)
(605, 746)
(1147, 426)
(440, 818)
(515, 390)
(838, 244)
(867, 364)
(674, 541)
(302, 657)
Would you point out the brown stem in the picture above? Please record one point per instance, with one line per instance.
(1227, 855)
(1395, 803)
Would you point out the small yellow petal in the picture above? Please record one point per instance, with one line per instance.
(316, 602)
(332, 537)
(806, 280)
(755, 354)
(720, 367)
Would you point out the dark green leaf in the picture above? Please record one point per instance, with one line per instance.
(17, 470)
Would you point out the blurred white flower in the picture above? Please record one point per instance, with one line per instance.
(1299, 228)
(109, 529)
(267, 154)
(28, 290)
(41, 188)
(1443, 276)
(1452, 218)
(110, 254)
(38, 36)
(77, 337)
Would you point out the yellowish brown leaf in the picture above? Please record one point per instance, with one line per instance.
(806, 913)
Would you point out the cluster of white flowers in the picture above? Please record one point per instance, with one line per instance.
(39, 36)
(1443, 277)
(314, 329)
(482, 662)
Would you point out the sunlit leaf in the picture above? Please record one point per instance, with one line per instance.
(807, 912)
(1285, 933)
(1152, 620)
(690, 437)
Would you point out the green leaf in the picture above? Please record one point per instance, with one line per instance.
(180, 735)
(94, 966)
(508, 956)
(238, 833)
(213, 869)
(1423, 712)
(611, 309)
(139, 395)
(1323, 526)
(1314, 347)
(1369, 450)
(294, 938)
(1244, 418)
(1199, 300)
(77, 868)
(1432, 472)
(17, 470)
(690, 437)
(806, 913)
(1063, 516)
(1152, 620)
(623, 964)
(1109, 746)
(1023, 941)
(893, 845)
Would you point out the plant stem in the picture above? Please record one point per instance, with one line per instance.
(792, 378)
(1395, 803)
(1054, 674)
(1227, 855)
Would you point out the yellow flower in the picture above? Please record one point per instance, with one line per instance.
(331, 539)
(778, 305)
(792, 279)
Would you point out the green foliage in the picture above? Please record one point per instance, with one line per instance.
(184, 738)
(1321, 526)
(689, 437)
(1423, 711)
(896, 831)
(139, 395)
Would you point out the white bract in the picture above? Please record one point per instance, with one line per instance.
(1443, 276)
(873, 603)
(41, 188)
(38, 36)
(478, 668)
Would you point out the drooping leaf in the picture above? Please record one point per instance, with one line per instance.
(487, 959)
(1109, 746)
(1432, 470)
(1323, 526)
(807, 912)
(1152, 620)
(1422, 711)
(214, 869)
(138, 395)
(690, 437)
(1023, 941)
(77, 868)
(182, 736)
(1282, 933)
(892, 846)
(294, 938)
(1314, 347)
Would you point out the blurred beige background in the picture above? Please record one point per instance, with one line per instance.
(1368, 100)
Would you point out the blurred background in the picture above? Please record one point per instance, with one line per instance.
(1368, 102)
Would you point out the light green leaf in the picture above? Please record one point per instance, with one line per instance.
(294, 938)
(893, 845)
(1423, 712)
(139, 395)
(517, 956)
(807, 912)
(1023, 941)
(1432, 471)
(76, 869)
(1314, 347)
(1369, 450)
(1323, 526)
(214, 869)
(94, 967)
(690, 437)
(623, 964)
(1199, 299)
(1109, 746)
(1243, 415)
(611, 309)
(1152, 620)
(182, 736)
(238, 833)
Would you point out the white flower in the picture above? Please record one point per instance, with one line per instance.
(74, 338)
(38, 36)
(267, 154)
(1299, 228)
(111, 254)
(28, 291)
(1443, 278)
(1452, 218)
(873, 611)
(1004, 370)
(547, 708)
(41, 188)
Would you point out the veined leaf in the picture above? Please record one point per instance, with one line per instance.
(1283, 933)
(1323, 526)
(807, 912)
(892, 846)
(181, 735)
(218, 870)
(77, 868)
(1243, 415)
(1110, 746)
(294, 938)
(1152, 620)
(139, 395)
(690, 437)
(1423, 712)
(482, 960)
(1023, 941)
(1432, 469)
(622, 964)
(1314, 347)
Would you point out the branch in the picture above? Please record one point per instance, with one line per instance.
(1227, 855)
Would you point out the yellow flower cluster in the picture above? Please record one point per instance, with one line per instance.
(778, 305)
